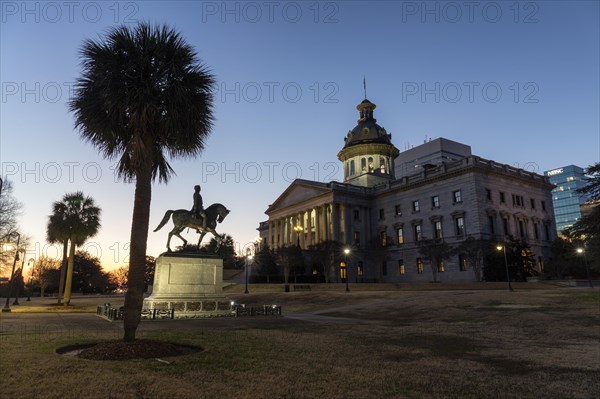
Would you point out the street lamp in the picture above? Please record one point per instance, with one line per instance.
(346, 253)
(6, 307)
(503, 249)
(30, 264)
(587, 267)
(16, 301)
(248, 259)
(298, 229)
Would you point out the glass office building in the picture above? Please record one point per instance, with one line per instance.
(566, 200)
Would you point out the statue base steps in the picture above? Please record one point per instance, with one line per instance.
(188, 286)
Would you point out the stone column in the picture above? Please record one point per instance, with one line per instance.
(318, 211)
(309, 228)
(335, 222)
(348, 224)
(270, 235)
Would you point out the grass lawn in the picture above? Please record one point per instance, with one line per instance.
(398, 344)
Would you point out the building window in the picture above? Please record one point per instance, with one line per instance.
(435, 201)
(361, 269)
(488, 194)
(415, 205)
(547, 231)
(540, 263)
(383, 238)
(419, 265)
(536, 233)
(521, 229)
(457, 196)
(382, 165)
(463, 264)
(384, 268)
(491, 223)
(401, 270)
(356, 214)
(518, 200)
(357, 238)
(352, 171)
(502, 198)
(398, 210)
(532, 202)
(381, 214)
(505, 226)
(371, 167)
(363, 164)
(543, 205)
(418, 236)
(400, 235)
(437, 226)
(440, 265)
(460, 226)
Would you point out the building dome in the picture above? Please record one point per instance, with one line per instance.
(367, 130)
(368, 154)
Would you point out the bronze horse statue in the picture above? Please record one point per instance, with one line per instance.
(183, 218)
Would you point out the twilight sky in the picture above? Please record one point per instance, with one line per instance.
(517, 81)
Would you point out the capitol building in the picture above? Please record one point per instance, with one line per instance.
(390, 200)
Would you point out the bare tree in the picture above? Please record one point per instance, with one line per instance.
(119, 277)
(474, 250)
(42, 272)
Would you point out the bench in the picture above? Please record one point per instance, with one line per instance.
(301, 287)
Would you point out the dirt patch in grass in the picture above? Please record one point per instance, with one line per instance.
(120, 350)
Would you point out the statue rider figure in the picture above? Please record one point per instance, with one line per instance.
(198, 208)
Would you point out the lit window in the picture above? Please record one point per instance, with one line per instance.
(371, 167)
(418, 235)
(440, 265)
(363, 164)
(400, 235)
(401, 266)
(463, 264)
(383, 238)
(419, 265)
(382, 165)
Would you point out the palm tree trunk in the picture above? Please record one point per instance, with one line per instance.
(63, 271)
(134, 298)
(69, 283)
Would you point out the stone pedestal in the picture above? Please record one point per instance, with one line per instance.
(189, 284)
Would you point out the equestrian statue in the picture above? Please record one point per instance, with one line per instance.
(202, 220)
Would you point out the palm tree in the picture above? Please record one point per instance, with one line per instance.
(143, 96)
(75, 219)
(58, 232)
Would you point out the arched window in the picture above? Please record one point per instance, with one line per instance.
(371, 167)
(382, 168)
(352, 171)
(363, 164)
